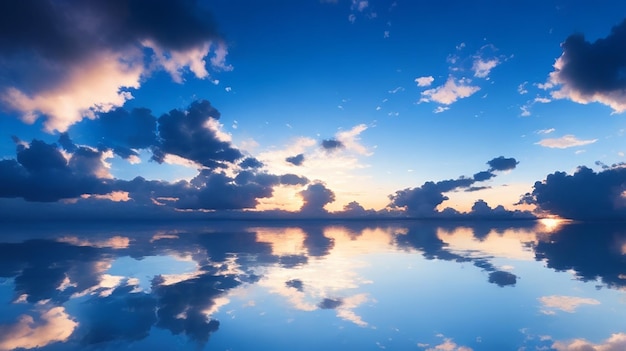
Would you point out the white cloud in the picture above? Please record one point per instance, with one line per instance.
(525, 111)
(482, 68)
(55, 325)
(350, 139)
(449, 345)
(424, 81)
(564, 142)
(564, 303)
(450, 92)
(617, 342)
(396, 90)
(440, 109)
(542, 100)
(522, 88)
(546, 131)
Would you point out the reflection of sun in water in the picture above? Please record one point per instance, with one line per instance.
(552, 224)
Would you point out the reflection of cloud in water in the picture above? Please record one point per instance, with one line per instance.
(53, 325)
(284, 241)
(447, 345)
(116, 242)
(508, 243)
(564, 303)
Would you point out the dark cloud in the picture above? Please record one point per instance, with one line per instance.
(331, 144)
(292, 179)
(185, 134)
(582, 195)
(502, 164)
(330, 304)
(51, 28)
(120, 130)
(315, 197)
(296, 284)
(482, 210)
(588, 72)
(484, 175)
(422, 201)
(296, 160)
(250, 162)
(41, 173)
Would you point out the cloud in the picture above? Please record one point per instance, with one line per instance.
(296, 160)
(448, 345)
(564, 303)
(69, 60)
(482, 68)
(42, 173)
(582, 195)
(54, 325)
(315, 197)
(592, 72)
(546, 131)
(522, 88)
(423, 200)
(250, 162)
(450, 92)
(564, 142)
(330, 304)
(194, 135)
(296, 284)
(350, 139)
(616, 342)
(332, 144)
(502, 163)
(424, 81)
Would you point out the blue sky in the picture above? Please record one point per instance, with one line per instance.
(378, 97)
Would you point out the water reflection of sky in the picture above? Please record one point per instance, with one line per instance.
(310, 286)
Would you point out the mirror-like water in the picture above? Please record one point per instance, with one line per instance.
(314, 286)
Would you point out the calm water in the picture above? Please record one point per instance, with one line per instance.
(314, 286)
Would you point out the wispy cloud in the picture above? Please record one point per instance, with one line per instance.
(564, 142)
(424, 81)
(564, 303)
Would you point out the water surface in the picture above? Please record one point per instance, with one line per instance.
(403, 285)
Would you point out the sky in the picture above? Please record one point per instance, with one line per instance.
(192, 109)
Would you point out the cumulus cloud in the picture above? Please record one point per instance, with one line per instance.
(450, 92)
(592, 72)
(582, 195)
(564, 142)
(424, 81)
(69, 60)
(194, 135)
(315, 197)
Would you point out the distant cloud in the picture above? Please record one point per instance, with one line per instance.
(315, 197)
(482, 68)
(118, 47)
(422, 201)
(582, 195)
(616, 342)
(450, 92)
(441, 109)
(296, 160)
(564, 303)
(396, 90)
(591, 72)
(564, 142)
(424, 81)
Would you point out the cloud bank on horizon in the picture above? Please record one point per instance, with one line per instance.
(93, 130)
